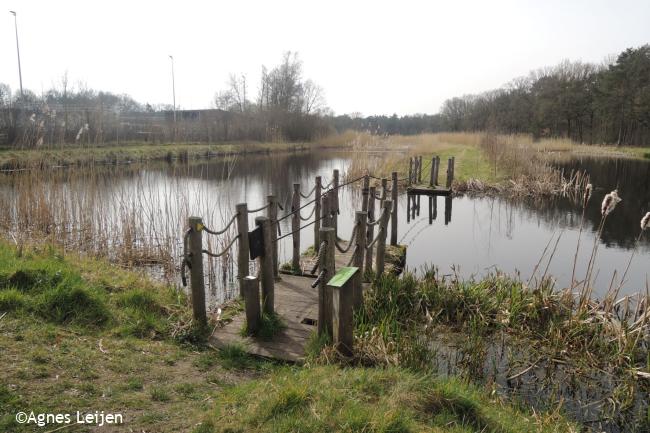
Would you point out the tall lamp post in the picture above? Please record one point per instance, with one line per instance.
(20, 73)
(174, 94)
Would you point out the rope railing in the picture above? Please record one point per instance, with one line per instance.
(354, 253)
(300, 228)
(225, 250)
(318, 279)
(260, 209)
(309, 193)
(376, 220)
(308, 216)
(346, 249)
(297, 210)
(371, 244)
(224, 230)
(319, 257)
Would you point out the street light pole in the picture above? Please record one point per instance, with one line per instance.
(173, 88)
(20, 73)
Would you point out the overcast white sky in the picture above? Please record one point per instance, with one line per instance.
(372, 57)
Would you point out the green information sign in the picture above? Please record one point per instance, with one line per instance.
(342, 276)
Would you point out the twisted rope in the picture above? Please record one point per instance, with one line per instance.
(308, 216)
(319, 258)
(318, 279)
(225, 229)
(211, 254)
(376, 221)
(354, 253)
(345, 250)
(309, 193)
(305, 226)
(370, 245)
(260, 209)
(297, 210)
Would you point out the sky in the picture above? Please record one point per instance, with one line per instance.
(370, 57)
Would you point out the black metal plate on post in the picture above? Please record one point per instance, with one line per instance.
(256, 243)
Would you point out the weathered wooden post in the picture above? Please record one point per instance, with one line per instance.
(243, 250)
(196, 273)
(453, 168)
(295, 228)
(381, 242)
(334, 203)
(251, 293)
(327, 266)
(435, 176)
(410, 170)
(325, 211)
(361, 220)
(448, 201)
(384, 190)
(341, 286)
(272, 214)
(317, 199)
(266, 264)
(420, 169)
(364, 193)
(393, 197)
(432, 171)
(371, 228)
(450, 171)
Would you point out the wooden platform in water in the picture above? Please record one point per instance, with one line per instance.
(428, 190)
(297, 303)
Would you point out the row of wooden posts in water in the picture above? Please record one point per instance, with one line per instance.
(416, 166)
(335, 303)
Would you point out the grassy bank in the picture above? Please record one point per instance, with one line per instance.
(80, 334)
(484, 162)
(134, 152)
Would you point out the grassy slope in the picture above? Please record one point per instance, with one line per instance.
(82, 335)
(131, 152)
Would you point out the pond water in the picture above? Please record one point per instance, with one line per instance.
(468, 236)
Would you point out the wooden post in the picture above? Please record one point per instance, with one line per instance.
(341, 286)
(448, 200)
(272, 214)
(364, 193)
(432, 171)
(435, 177)
(196, 274)
(317, 199)
(325, 211)
(360, 220)
(371, 228)
(453, 169)
(295, 228)
(393, 197)
(334, 203)
(266, 265)
(384, 190)
(251, 293)
(410, 170)
(243, 250)
(450, 173)
(420, 169)
(324, 293)
(381, 242)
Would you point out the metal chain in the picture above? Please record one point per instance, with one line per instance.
(211, 254)
(225, 229)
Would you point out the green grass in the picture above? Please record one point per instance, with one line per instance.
(329, 398)
(269, 326)
(111, 153)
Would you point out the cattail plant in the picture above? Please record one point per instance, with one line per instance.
(607, 206)
(585, 201)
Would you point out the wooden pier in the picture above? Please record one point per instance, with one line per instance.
(432, 187)
(315, 294)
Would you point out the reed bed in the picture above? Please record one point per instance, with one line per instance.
(135, 218)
